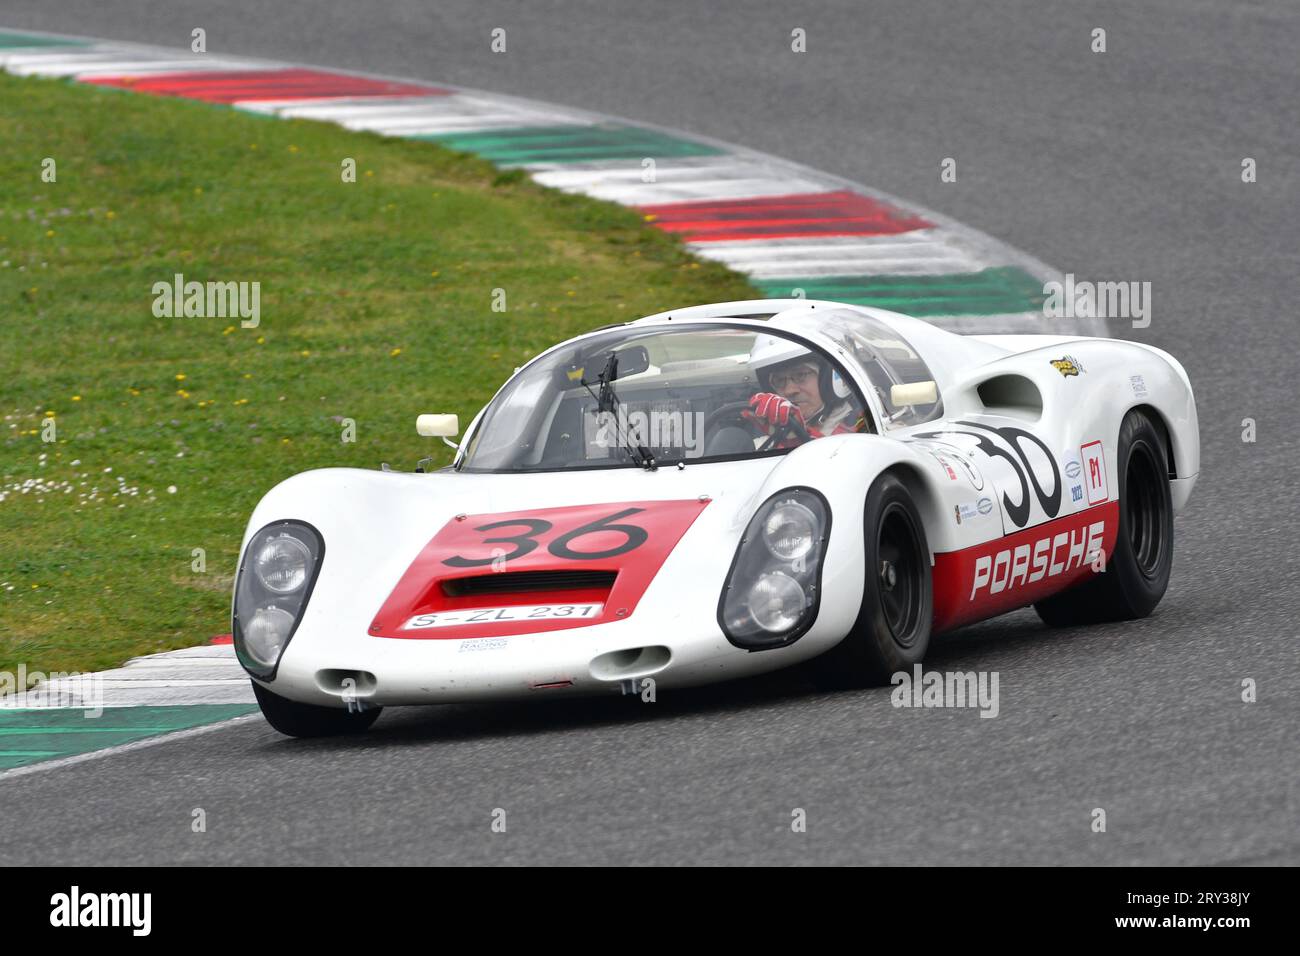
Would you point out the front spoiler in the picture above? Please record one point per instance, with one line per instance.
(605, 659)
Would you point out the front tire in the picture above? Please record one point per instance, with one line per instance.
(892, 631)
(308, 720)
(1137, 574)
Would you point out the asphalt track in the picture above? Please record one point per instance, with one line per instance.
(1123, 165)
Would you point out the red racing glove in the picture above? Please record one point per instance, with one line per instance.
(772, 412)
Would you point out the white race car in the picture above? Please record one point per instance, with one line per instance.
(720, 491)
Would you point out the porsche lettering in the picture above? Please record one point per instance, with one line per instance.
(1047, 558)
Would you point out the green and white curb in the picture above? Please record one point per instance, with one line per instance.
(34, 741)
(192, 675)
(147, 700)
(793, 230)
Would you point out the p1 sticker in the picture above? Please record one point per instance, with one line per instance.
(1094, 472)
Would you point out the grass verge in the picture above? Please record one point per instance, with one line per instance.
(376, 303)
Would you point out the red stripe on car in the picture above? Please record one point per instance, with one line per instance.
(1021, 568)
(457, 569)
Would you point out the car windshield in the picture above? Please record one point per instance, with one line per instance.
(688, 393)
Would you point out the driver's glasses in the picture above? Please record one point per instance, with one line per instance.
(799, 377)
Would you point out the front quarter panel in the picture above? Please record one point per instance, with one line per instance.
(843, 468)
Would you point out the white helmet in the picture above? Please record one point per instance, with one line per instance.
(769, 351)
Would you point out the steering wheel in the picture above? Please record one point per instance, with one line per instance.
(733, 412)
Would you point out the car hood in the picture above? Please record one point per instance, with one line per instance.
(400, 547)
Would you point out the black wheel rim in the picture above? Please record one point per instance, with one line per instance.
(898, 574)
(1144, 507)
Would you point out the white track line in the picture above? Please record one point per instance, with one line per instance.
(409, 116)
(116, 62)
(675, 180)
(191, 675)
(922, 252)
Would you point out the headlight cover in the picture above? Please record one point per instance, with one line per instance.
(276, 575)
(774, 586)
(282, 563)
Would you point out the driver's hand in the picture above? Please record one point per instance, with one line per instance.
(771, 412)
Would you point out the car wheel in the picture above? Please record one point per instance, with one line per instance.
(308, 720)
(892, 631)
(1137, 573)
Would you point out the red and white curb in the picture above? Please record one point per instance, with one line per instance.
(791, 229)
(794, 231)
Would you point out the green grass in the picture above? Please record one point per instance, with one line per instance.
(375, 305)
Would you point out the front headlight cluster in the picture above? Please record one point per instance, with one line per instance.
(773, 587)
(275, 580)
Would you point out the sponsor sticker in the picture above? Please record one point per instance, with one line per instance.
(974, 509)
(1139, 386)
(1068, 366)
(1072, 469)
(1094, 472)
(483, 644)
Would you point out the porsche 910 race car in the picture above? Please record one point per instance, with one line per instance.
(715, 492)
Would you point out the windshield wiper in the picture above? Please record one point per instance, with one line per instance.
(607, 403)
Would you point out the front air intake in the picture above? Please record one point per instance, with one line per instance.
(518, 582)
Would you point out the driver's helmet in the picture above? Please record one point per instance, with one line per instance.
(771, 353)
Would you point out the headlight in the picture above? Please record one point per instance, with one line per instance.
(282, 563)
(266, 634)
(276, 577)
(790, 531)
(776, 602)
(773, 587)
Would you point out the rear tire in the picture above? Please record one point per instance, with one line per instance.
(892, 631)
(1137, 573)
(308, 720)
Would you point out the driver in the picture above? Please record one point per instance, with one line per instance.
(799, 385)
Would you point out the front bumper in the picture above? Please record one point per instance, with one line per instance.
(599, 660)
(603, 659)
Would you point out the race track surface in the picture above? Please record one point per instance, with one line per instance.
(1117, 166)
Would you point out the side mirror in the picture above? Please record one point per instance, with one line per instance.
(914, 393)
(437, 426)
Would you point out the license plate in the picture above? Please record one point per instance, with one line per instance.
(502, 615)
